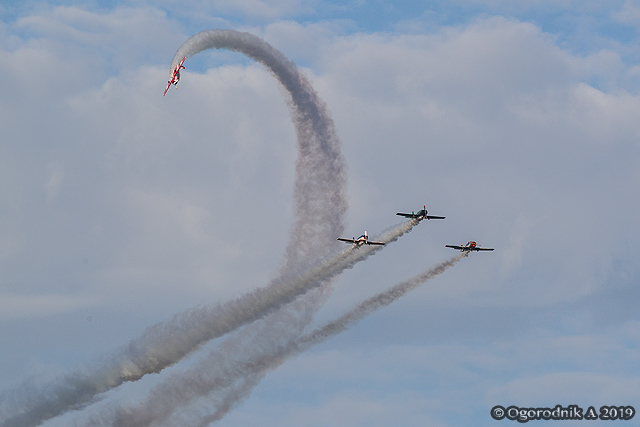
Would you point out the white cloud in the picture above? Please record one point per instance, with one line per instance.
(492, 121)
(267, 9)
(629, 14)
(120, 38)
(585, 387)
(16, 306)
(519, 239)
(186, 199)
(305, 41)
(54, 182)
(350, 408)
(200, 11)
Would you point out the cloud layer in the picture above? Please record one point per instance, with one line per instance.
(116, 206)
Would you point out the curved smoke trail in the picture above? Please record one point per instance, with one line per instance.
(227, 375)
(320, 165)
(320, 204)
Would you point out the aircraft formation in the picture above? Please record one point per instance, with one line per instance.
(418, 216)
(364, 238)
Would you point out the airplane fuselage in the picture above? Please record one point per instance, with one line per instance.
(362, 240)
(422, 214)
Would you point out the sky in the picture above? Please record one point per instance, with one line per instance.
(518, 121)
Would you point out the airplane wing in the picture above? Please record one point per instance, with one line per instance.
(482, 249)
(347, 240)
(168, 86)
(406, 215)
(454, 247)
(434, 217)
(375, 243)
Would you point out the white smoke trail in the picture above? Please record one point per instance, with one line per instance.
(256, 370)
(227, 377)
(320, 157)
(319, 203)
(374, 303)
(159, 406)
(255, 343)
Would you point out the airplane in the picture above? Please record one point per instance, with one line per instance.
(362, 240)
(420, 215)
(470, 246)
(175, 76)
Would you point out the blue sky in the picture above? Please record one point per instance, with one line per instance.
(518, 121)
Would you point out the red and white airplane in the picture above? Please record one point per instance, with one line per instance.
(362, 240)
(470, 246)
(175, 76)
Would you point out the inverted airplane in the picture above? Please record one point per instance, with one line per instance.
(470, 246)
(420, 215)
(362, 240)
(175, 76)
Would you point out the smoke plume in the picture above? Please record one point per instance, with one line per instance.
(319, 207)
(255, 370)
(260, 338)
(228, 375)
